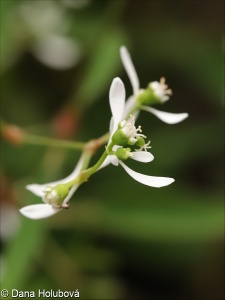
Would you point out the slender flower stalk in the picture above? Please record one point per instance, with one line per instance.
(51, 142)
(18, 136)
(156, 92)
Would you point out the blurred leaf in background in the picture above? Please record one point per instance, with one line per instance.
(119, 239)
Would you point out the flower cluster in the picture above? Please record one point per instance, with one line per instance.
(123, 133)
(126, 141)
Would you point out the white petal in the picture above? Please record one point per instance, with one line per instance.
(111, 125)
(166, 117)
(117, 101)
(37, 189)
(109, 159)
(106, 162)
(147, 180)
(115, 147)
(129, 106)
(71, 192)
(38, 211)
(142, 156)
(129, 67)
(114, 160)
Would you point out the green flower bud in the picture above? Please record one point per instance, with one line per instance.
(123, 153)
(56, 195)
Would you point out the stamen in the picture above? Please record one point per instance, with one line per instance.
(169, 92)
(162, 80)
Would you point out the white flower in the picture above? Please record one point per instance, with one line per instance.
(128, 134)
(47, 193)
(160, 89)
(117, 105)
(128, 128)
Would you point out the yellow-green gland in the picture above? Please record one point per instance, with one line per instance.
(123, 153)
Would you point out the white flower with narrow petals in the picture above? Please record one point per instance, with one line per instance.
(117, 105)
(160, 89)
(50, 194)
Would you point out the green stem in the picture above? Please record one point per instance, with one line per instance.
(45, 141)
(110, 147)
(95, 168)
(84, 175)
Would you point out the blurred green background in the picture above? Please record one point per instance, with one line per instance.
(119, 239)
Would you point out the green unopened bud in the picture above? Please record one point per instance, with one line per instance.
(123, 153)
(56, 195)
